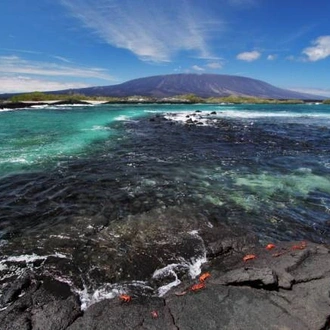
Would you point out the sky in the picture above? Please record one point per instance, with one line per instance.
(62, 44)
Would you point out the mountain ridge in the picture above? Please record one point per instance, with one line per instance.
(202, 85)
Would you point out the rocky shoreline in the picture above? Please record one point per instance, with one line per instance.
(21, 105)
(286, 286)
(248, 285)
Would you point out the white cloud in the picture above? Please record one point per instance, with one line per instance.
(23, 84)
(249, 56)
(320, 50)
(214, 65)
(61, 58)
(314, 91)
(271, 57)
(198, 68)
(17, 65)
(152, 30)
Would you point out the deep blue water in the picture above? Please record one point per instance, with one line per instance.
(94, 195)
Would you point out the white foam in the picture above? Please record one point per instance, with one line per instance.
(221, 112)
(20, 160)
(60, 236)
(100, 128)
(195, 266)
(39, 106)
(122, 117)
(72, 105)
(163, 272)
(108, 291)
(182, 117)
(29, 258)
(194, 233)
(3, 267)
(87, 299)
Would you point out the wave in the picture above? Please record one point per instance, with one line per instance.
(29, 258)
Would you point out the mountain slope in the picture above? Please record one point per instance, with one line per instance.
(204, 85)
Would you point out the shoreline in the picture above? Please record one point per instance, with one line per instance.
(243, 287)
(28, 104)
(251, 287)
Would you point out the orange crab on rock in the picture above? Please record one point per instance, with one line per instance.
(125, 298)
(204, 277)
(154, 314)
(249, 257)
(270, 246)
(197, 286)
(300, 246)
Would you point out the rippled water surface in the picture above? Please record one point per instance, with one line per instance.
(112, 197)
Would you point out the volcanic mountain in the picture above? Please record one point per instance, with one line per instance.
(203, 85)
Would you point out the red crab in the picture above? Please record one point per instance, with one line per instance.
(204, 277)
(154, 314)
(270, 246)
(197, 286)
(249, 257)
(125, 298)
(301, 246)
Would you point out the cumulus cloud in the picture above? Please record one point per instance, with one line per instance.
(152, 30)
(249, 56)
(320, 50)
(24, 84)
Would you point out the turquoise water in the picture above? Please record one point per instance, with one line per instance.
(38, 138)
(101, 195)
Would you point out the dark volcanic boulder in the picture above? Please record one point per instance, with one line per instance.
(17, 105)
(44, 304)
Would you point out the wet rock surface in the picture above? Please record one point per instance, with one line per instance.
(43, 304)
(287, 287)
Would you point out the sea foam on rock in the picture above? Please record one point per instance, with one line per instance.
(251, 295)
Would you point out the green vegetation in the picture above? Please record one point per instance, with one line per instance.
(326, 101)
(35, 96)
(243, 99)
(189, 98)
(39, 96)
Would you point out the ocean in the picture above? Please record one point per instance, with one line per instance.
(111, 198)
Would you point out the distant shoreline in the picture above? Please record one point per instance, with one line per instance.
(29, 104)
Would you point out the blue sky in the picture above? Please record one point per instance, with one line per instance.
(59, 44)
